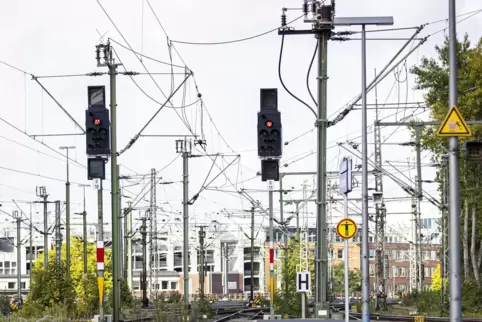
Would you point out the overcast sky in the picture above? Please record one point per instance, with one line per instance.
(58, 38)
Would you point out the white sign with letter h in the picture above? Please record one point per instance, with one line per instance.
(303, 282)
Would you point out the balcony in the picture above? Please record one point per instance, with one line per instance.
(247, 273)
(256, 257)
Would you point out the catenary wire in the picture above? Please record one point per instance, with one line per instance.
(235, 40)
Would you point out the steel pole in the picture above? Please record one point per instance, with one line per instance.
(347, 285)
(67, 219)
(365, 263)
(19, 258)
(46, 236)
(454, 177)
(419, 212)
(114, 195)
(31, 248)
(252, 256)
(321, 272)
(129, 248)
(284, 236)
(271, 252)
(185, 252)
(58, 236)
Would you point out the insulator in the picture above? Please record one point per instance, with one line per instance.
(313, 7)
(305, 7)
(283, 20)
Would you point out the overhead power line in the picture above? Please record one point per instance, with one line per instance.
(234, 40)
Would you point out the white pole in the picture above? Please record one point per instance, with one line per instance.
(347, 287)
(303, 305)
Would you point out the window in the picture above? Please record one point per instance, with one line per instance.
(14, 271)
(164, 285)
(394, 254)
(426, 255)
(426, 272)
(371, 253)
(11, 285)
(402, 287)
(173, 285)
(433, 255)
(14, 264)
(1, 264)
(340, 254)
(7, 264)
(372, 269)
(403, 272)
(395, 271)
(23, 285)
(432, 271)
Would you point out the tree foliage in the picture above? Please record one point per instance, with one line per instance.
(432, 76)
(79, 295)
(354, 277)
(290, 302)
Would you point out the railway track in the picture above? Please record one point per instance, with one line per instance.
(245, 314)
(408, 318)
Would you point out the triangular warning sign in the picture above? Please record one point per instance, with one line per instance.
(454, 124)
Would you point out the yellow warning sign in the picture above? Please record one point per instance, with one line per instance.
(100, 283)
(454, 124)
(346, 228)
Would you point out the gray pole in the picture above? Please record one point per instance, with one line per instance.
(129, 247)
(251, 291)
(185, 252)
(419, 213)
(298, 219)
(30, 247)
(121, 233)
(347, 285)
(114, 194)
(84, 218)
(19, 258)
(144, 262)
(58, 236)
(46, 236)
(271, 252)
(285, 236)
(226, 278)
(365, 267)
(67, 219)
(201, 264)
(454, 177)
(321, 238)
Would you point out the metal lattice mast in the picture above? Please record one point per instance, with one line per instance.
(304, 236)
(379, 217)
(153, 249)
(413, 249)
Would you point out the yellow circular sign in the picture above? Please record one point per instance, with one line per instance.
(346, 228)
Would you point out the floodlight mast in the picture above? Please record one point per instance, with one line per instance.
(364, 21)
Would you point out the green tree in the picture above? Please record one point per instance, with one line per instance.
(432, 76)
(290, 303)
(79, 294)
(354, 277)
(436, 280)
(4, 305)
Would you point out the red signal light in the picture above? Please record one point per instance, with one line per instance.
(96, 121)
(269, 124)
